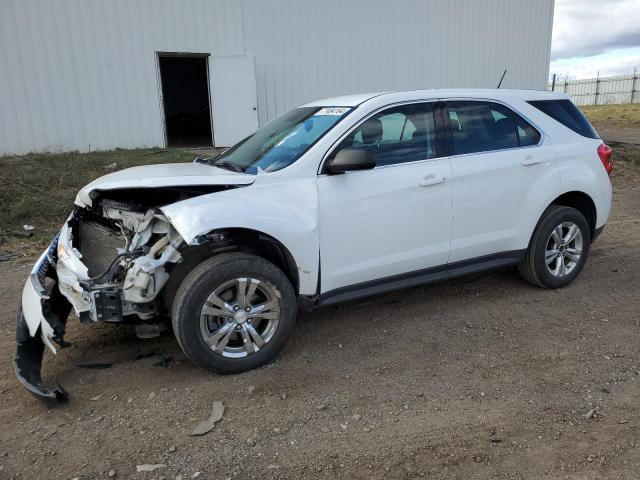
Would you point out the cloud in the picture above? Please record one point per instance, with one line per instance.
(590, 27)
(617, 62)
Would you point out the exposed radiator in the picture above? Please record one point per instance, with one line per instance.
(98, 245)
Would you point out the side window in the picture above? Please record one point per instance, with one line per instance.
(481, 127)
(400, 134)
(527, 135)
(392, 126)
(455, 121)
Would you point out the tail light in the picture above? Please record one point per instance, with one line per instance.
(605, 153)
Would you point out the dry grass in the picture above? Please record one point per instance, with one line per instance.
(623, 152)
(610, 118)
(39, 189)
(614, 116)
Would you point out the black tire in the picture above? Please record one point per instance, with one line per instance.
(201, 282)
(534, 268)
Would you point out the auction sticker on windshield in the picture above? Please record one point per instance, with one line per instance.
(333, 111)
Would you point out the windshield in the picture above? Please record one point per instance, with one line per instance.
(282, 141)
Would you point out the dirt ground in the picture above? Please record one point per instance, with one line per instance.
(620, 135)
(483, 377)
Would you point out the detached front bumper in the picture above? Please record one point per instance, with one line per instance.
(41, 320)
(102, 280)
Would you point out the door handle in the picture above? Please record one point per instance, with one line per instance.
(530, 160)
(432, 179)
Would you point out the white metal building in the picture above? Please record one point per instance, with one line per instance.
(99, 74)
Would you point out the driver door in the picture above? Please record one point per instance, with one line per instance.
(393, 222)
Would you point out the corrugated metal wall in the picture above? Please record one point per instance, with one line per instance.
(308, 49)
(82, 74)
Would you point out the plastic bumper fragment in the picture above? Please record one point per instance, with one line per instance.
(28, 363)
(41, 320)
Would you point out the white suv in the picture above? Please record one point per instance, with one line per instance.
(335, 200)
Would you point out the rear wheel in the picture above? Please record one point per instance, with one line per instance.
(233, 313)
(558, 250)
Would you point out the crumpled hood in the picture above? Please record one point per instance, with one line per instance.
(165, 175)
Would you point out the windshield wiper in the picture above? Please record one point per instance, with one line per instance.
(204, 160)
(219, 162)
(234, 167)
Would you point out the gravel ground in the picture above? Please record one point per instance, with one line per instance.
(480, 377)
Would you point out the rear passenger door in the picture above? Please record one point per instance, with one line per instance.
(500, 163)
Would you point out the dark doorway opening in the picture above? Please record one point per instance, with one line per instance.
(185, 93)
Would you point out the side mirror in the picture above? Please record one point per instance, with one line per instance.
(350, 159)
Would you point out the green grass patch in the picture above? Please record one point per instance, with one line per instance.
(39, 189)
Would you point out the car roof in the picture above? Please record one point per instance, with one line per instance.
(503, 93)
(345, 100)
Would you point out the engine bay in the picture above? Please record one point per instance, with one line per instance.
(124, 247)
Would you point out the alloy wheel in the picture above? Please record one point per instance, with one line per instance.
(240, 317)
(563, 249)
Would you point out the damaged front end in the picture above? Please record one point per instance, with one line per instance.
(109, 263)
(115, 259)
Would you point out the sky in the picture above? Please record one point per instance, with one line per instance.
(591, 36)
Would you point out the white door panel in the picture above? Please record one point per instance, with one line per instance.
(384, 222)
(493, 193)
(233, 99)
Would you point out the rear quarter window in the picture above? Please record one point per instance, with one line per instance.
(565, 112)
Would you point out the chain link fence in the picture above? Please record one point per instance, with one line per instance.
(600, 90)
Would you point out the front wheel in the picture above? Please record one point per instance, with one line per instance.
(233, 313)
(558, 250)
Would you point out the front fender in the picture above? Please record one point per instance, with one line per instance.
(287, 211)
